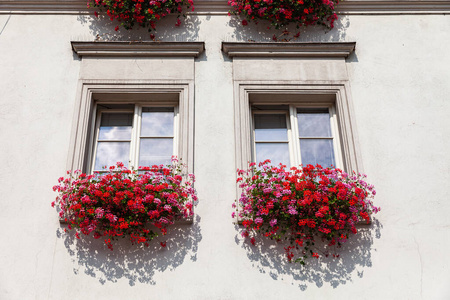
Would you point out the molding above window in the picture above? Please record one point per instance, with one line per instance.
(220, 7)
(297, 74)
(235, 49)
(147, 73)
(138, 49)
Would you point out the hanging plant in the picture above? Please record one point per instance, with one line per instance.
(281, 13)
(123, 202)
(140, 12)
(303, 206)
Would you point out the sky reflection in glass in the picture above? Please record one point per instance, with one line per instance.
(314, 123)
(157, 124)
(270, 127)
(115, 126)
(276, 152)
(109, 153)
(155, 151)
(317, 151)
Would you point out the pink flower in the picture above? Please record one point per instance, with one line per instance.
(99, 212)
(273, 222)
(292, 211)
(304, 209)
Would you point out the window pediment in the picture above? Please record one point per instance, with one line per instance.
(138, 49)
(322, 50)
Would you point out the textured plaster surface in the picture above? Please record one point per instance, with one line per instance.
(400, 85)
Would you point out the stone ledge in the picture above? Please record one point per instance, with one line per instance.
(288, 49)
(139, 49)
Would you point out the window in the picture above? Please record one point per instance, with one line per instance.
(135, 134)
(137, 124)
(294, 135)
(311, 81)
(296, 124)
(135, 104)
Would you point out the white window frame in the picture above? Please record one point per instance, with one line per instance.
(334, 95)
(289, 140)
(152, 94)
(133, 161)
(293, 137)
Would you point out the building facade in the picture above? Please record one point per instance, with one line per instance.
(380, 79)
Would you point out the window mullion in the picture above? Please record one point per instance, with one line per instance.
(290, 140)
(295, 135)
(135, 137)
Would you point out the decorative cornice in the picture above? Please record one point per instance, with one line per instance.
(43, 7)
(208, 7)
(381, 7)
(288, 49)
(141, 49)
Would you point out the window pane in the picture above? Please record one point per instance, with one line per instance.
(270, 127)
(276, 152)
(109, 153)
(157, 123)
(155, 151)
(314, 122)
(317, 151)
(115, 126)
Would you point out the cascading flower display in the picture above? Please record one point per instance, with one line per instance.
(281, 13)
(123, 202)
(303, 205)
(140, 12)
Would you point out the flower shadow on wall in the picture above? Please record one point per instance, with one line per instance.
(102, 29)
(269, 257)
(127, 261)
(262, 33)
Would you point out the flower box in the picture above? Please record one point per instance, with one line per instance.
(142, 13)
(125, 203)
(282, 13)
(303, 206)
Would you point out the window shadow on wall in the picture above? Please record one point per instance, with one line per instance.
(136, 263)
(354, 257)
(102, 29)
(261, 33)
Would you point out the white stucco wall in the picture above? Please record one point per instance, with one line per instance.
(400, 84)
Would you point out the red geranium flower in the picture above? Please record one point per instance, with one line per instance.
(307, 204)
(124, 202)
(281, 13)
(143, 13)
